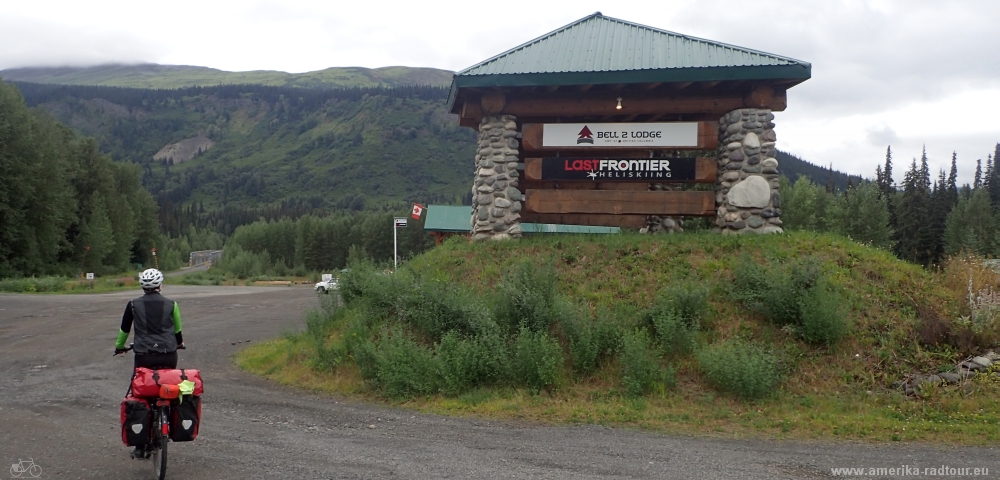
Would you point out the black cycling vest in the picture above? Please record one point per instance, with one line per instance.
(154, 324)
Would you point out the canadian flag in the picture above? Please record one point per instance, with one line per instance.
(418, 210)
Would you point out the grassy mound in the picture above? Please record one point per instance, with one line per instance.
(786, 335)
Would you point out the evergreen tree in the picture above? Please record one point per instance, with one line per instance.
(953, 181)
(885, 186)
(988, 174)
(993, 177)
(971, 226)
(912, 211)
(977, 182)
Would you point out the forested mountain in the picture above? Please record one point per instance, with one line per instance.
(332, 148)
(179, 76)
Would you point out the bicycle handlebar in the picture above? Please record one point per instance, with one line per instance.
(132, 345)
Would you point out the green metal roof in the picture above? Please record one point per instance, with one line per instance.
(451, 218)
(448, 218)
(602, 50)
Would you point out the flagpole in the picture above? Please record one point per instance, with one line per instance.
(395, 256)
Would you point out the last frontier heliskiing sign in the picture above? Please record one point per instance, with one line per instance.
(619, 169)
(621, 135)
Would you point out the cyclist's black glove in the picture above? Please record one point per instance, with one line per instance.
(119, 351)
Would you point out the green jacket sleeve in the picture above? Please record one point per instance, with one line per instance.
(176, 315)
(122, 336)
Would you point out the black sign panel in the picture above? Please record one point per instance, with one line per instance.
(619, 169)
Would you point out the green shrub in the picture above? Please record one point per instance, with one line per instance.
(469, 362)
(690, 301)
(437, 308)
(640, 366)
(823, 319)
(675, 335)
(743, 370)
(537, 358)
(382, 294)
(796, 295)
(402, 367)
(590, 339)
(526, 297)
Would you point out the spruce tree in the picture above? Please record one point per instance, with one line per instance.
(912, 216)
(971, 225)
(886, 187)
(993, 187)
(977, 182)
(988, 174)
(953, 181)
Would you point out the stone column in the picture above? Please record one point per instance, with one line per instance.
(746, 189)
(664, 224)
(496, 201)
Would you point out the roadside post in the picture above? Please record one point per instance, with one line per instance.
(396, 223)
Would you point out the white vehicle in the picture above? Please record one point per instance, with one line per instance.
(326, 285)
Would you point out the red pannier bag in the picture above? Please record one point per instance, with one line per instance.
(136, 421)
(146, 382)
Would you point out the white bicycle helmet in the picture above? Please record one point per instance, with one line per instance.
(150, 279)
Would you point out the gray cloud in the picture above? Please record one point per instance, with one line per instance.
(31, 42)
(882, 136)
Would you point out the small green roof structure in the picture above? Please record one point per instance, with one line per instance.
(455, 219)
(599, 50)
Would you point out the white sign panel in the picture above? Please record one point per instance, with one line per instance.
(90, 276)
(400, 222)
(677, 134)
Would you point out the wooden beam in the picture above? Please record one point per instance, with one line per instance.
(533, 106)
(531, 139)
(624, 221)
(492, 103)
(584, 88)
(650, 86)
(525, 185)
(618, 202)
(682, 85)
(708, 85)
(760, 97)
(472, 111)
(552, 88)
(705, 171)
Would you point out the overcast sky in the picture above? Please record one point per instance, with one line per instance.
(907, 73)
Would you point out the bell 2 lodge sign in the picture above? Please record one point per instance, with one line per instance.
(581, 135)
(619, 169)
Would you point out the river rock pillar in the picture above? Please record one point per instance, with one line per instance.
(496, 201)
(746, 189)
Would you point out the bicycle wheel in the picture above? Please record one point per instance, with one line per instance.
(159, 447)
(160, 458)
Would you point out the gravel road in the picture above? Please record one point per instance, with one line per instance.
(60, 391)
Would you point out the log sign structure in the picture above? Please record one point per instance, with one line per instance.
(618, 137)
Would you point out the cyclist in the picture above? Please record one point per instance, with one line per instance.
(157, 321)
